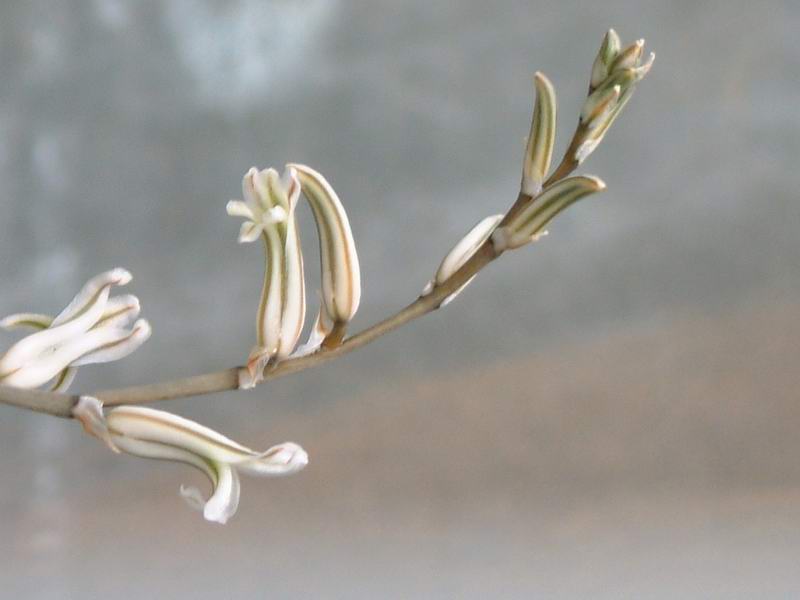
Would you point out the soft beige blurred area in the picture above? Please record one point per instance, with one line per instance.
(610, 413)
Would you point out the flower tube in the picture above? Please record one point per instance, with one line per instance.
(156, 434)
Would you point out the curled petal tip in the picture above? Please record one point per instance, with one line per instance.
(142, 329)
(645, 67)
(120, 276)
(249, 232)
(90, 329)
(599, 184)
(292, 455)
(237, 208)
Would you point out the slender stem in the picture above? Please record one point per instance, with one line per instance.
(51, 403)
(60, 405)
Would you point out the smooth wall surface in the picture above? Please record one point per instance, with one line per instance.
(610, 413)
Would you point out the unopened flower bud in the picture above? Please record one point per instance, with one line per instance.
(542, 137)
(341, 274)
(460, 254)
(605, 56)
(614, 77)
(526, 225)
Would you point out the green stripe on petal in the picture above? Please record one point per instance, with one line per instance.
(541, 139)
(31, 320)
(341, 275)
(609, 49)
(531, 221)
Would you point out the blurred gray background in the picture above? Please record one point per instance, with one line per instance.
(610, 413)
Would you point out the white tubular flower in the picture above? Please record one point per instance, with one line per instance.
(269, 206)
(542, 137)
(460, 254)
(160, 435)
(527, 225)
(615, 73)
(341, 275)
(91, 329)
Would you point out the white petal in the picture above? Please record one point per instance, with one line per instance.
(249, 232)
(88, 296)
(156, 451)
(33, 320)
(120, 311)
(225, 500)
(46, 366)
(275, 190)
(341, 275)
(283, 459)
(262, 190)
(39, 346)
(292, 185)
(249, 192)
(532, 220)
(294, 306)
(161, 427)
(539, 149)
(237, 208)
(466, 247)
(270, 307)
(124, 343)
